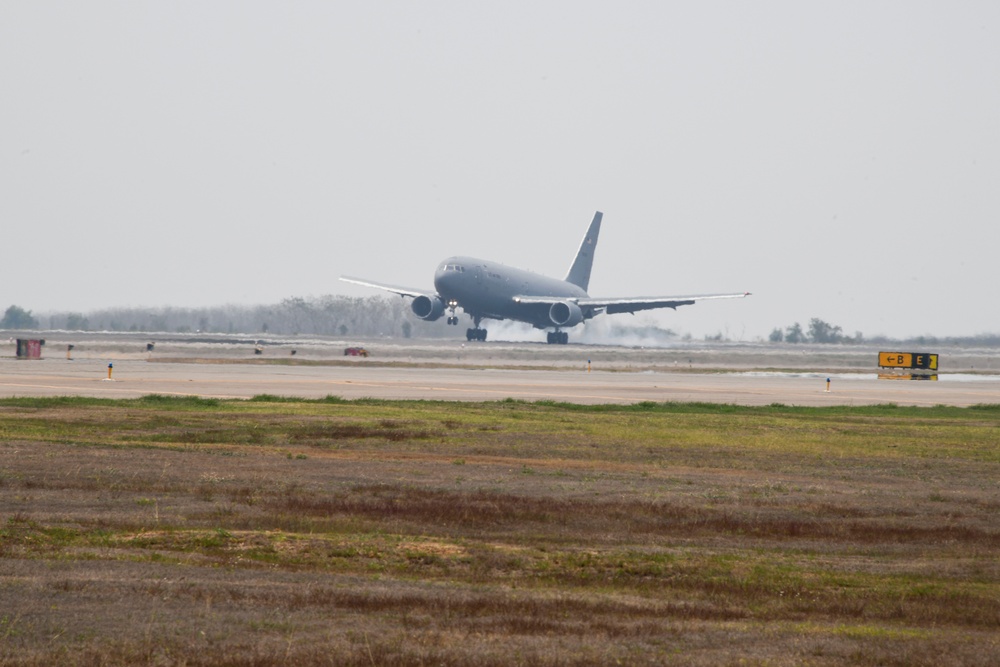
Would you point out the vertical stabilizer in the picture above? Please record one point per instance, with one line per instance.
(579, 273)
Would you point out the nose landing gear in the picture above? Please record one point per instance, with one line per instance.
(452, 318)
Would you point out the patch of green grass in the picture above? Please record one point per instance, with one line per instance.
(771, 532)
(644, 433)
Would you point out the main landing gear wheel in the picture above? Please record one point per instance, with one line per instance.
(558, 337)
(475, 334)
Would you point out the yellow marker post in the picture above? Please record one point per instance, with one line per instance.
(828, 385)
(110, 366)
(588, 365)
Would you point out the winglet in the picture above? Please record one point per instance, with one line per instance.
(579, 272)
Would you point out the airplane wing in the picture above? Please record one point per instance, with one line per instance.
(632, 304)
(401, 291)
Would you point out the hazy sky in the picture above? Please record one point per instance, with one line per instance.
(839, 160)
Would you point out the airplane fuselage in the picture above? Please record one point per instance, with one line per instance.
(489, 289)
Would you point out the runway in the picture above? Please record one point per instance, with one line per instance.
(133, 378)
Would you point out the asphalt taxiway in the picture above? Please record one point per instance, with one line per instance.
(134, 377)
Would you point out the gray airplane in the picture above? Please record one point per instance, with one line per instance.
(489, 291)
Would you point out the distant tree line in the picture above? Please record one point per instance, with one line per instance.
(819, 332)
(358, 317)
(981, 340)
(16, 317)
(823, 332)
(324, 316)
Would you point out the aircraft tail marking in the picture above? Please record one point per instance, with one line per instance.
(579, 272)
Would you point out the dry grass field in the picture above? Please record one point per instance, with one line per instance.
(167, 531)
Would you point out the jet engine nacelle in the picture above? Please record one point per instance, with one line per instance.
(427, 308)
(565, 314)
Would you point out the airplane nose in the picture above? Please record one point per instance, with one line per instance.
(443, 280)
